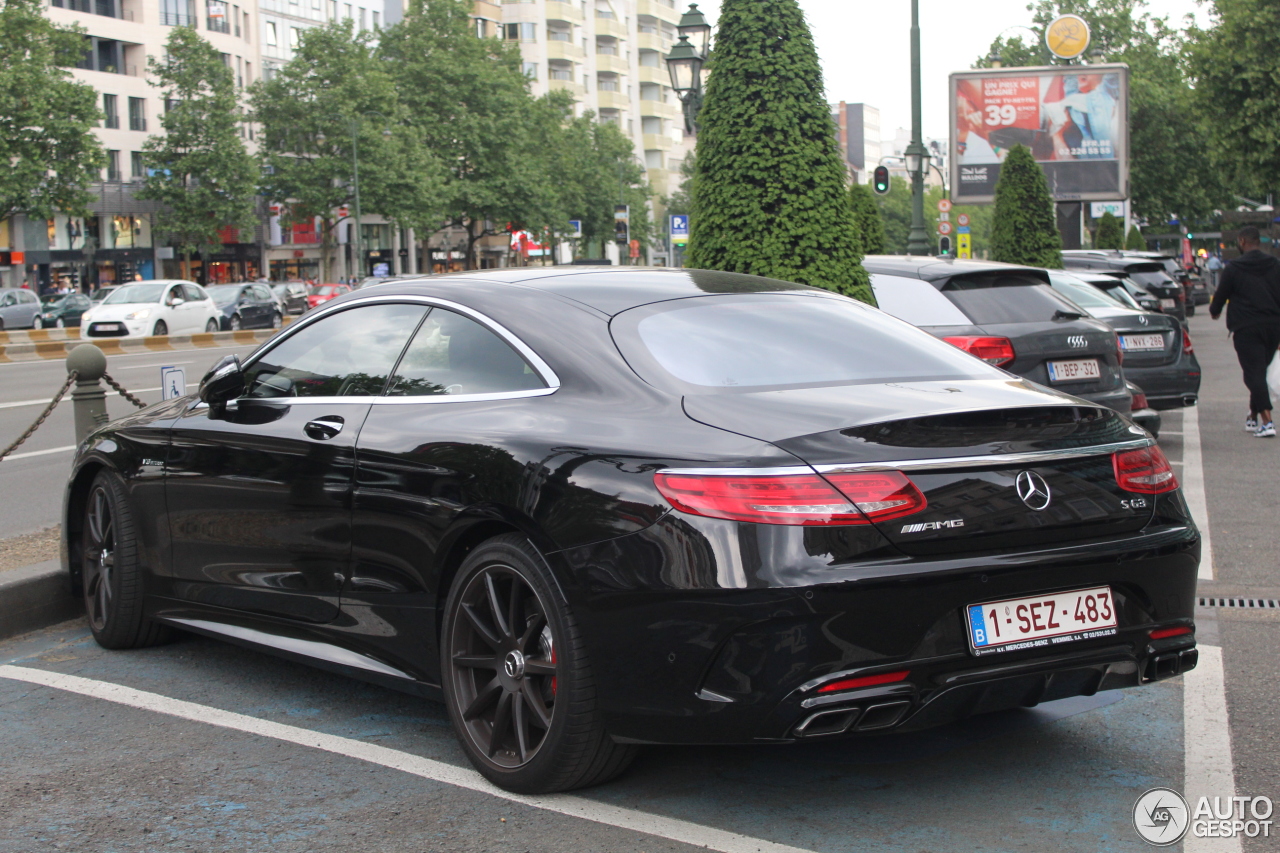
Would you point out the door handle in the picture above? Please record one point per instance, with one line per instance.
(323, 429)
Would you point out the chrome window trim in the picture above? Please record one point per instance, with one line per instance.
(1028, 458)
(545, 373)
(737, 472)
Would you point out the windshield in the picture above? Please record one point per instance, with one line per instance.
(996, 298)
(133, 293)
(54, 301)
(327, 290)
(280, 290)
(223, 294)
(1080, 292)
(751, 342)
(102, 293)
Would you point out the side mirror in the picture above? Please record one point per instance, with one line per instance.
(175, 302)
(223, 383)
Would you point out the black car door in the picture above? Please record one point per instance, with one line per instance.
(431, 449)
(259, 496)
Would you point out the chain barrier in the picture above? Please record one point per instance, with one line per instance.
(71, 377)
(123, 393)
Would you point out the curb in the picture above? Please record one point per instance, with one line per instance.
(55, 349)
(35, 597)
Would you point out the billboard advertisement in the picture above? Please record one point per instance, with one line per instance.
(1074, 118)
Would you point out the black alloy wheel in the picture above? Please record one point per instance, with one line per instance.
(211, 326)
(234, 323)
(37, 322)
(516, 679)
(161, 329)
(111, 579)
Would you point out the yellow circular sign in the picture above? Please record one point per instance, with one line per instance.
(1067, 37)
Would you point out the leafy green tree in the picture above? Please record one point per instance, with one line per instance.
(199, 169)
(1025, 230)
(681, 200)
(1135, 242)
(470, 100)
(598, 170)
(870, 222)
(1235, 65)
(769, 198)
(1110, 233)
(336, 95)
(1169, 176)
(46, 117)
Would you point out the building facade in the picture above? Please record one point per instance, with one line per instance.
(858, 135)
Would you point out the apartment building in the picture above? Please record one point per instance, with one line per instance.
(858, 136)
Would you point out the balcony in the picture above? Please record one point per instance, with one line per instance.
(564, 10)
(613, 100)
(661, 109)
(658, 142)
(610, 27)
(610, 62)
(136, 123)
(111, 122)
(661, 9)
(218, 25)
(653, 41)
(578, 91)
(655, 74)
(177, 19)
(565, 50)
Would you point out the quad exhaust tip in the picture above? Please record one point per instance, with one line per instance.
(840, 720)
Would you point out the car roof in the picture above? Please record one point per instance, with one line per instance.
(609, 290)
(937, 270)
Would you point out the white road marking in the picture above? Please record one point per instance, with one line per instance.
(461, 777)
(30, 453)
(1206, 738)
(1193, 486)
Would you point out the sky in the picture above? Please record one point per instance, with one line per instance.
(865, 48)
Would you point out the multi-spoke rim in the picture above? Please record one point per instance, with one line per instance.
(503, 663)
(99, 557)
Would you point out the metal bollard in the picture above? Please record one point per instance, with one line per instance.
(88, 399)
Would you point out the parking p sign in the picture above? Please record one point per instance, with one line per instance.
(679, 228)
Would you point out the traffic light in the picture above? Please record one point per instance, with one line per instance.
(944, 245)
(881, 181)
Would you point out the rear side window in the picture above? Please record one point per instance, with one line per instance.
(452, 354)
(918, 302)
(751, 342)
(1005, 298)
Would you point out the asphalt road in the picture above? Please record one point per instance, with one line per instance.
(86, 767)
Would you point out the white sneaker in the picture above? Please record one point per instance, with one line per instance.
(1250, 425)
(1267, 430)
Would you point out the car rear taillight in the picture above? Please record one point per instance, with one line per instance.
(1119, 351)
(1139, 401)
(864, 681)
(1145, 471)
(997, 351)
(1165, 633)
(1186, 343)
(801, 499)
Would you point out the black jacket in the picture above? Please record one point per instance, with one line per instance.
(1252, 285)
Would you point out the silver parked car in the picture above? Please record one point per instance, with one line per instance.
(19, 309)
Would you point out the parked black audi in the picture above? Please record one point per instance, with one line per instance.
(1147, 272)
(596, 508)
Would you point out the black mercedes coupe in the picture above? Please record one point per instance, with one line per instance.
(591, 509)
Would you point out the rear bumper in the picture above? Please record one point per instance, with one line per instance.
(1170, 385)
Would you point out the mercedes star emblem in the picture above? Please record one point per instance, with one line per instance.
(1034, 491)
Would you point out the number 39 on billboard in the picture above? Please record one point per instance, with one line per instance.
(1075, 120)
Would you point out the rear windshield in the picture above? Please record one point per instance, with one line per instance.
(997, 298)
(752, 342)
(1153, 279)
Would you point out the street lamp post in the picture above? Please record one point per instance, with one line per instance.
(685, 63)
(915, 155)
(353, 125)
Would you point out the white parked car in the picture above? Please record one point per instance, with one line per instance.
(163, 307)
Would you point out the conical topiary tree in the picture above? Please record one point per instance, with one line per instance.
(1110, 232)
(1135, 242)
(769, 198)
(1025, 230)
(870, 221)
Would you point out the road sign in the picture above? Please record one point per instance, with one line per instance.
(944, 228)
(943, 216)
(963, 229)
(575, 225)
(679, 228)
(173, 383)
(1067, 37)
(944, 205)
(962, 219)
(964, 248)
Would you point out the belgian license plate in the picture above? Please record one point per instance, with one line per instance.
(1041, 621)
(1141, 342)
(108, 327)
(1168, 303)
(1081, 368)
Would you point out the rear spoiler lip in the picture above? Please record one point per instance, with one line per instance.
(1027, 458)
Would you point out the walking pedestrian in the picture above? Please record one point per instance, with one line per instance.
(1250, 287)
(1214, 266)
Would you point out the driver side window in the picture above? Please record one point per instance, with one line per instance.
(347, 354)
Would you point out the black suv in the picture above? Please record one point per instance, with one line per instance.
(1008, 316)
(1148, 272)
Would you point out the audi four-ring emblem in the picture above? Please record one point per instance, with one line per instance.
(1034, 491)
(1078, 341)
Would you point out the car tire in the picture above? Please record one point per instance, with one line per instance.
(37, 323)
(550, 733)
(111, 578)
(211, 326)
(234, 323)
(276, 320)
(59, 323)
(161, 329)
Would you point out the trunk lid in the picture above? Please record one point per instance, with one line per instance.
(968, 446)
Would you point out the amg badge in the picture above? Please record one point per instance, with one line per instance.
(932, 525)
